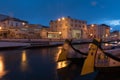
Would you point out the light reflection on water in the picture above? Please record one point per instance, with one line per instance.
(62, 64)
(24, 58)
(2, 67)
(24, 61)
(58, 53)
(30, 64)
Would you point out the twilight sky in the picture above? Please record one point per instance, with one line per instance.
(42, 11)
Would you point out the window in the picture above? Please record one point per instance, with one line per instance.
(11, 24)
(71, 20)
(8, 22)
(79, 25)
(75, 25)
(79, 22)
(16, 24)
(66, 24)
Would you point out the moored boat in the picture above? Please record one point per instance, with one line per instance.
(107, 67)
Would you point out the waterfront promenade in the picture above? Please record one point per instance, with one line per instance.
(28, 43)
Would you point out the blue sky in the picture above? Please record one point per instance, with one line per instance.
(42, 11)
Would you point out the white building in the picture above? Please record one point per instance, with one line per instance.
(12, 22)
(8, 25)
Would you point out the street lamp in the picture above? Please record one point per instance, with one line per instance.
(0, 28)
(23, 24)
(59, 19)
(63, 18)
(60, 34)
(92, 25)
(91, 34)
(106, 35)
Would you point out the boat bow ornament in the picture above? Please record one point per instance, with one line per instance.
(88, 66)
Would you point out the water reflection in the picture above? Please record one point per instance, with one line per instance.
(24, 61)
(2, 67)
(62, 64)
(58, 53)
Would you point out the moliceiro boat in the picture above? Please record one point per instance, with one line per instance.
(97, 64)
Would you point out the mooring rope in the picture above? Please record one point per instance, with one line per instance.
(98, 44)
(77, 49)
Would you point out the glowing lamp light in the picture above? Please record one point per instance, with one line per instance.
(106, 35)
(106, 44)
(23, 23)
(59, 32)
(59, 19)
(0, 28)
(92, 25)
(63, 18)
(91, 34)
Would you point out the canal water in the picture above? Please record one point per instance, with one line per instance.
(31, 64)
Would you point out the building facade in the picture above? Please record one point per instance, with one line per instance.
(44, 32)
(69, 28)
(11, 27)
(98, 31)
(16, 28)
(115, 35)
(103, 31)
(12, 22)
(92, 30)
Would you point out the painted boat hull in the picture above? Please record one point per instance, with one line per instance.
(72, 72)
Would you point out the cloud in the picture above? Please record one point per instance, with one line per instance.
(113, 22)
(110, 22)
(96, 3)
(93, 3)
